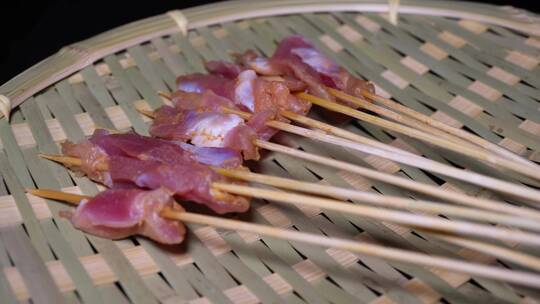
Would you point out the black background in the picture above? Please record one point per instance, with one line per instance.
(32, 31)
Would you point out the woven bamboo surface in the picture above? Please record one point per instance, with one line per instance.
(483, 78)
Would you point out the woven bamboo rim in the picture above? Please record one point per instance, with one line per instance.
(81, 54)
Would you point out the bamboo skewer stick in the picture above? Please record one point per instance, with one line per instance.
(418, 134)
(451, 196)
(409, 159)
(398, 217)
(301, 119)
(391, 179)
(313, 123)
(406, 120)
(389, 152)
(488, 182)
(394, 254)
(432, 122)
(343, 193)
(520, 258)
(430, 207)
(523, 259)
(403, 218)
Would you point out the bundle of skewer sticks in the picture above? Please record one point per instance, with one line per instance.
(350, 140)
(491, 211)
(474, 217)
(511, 276)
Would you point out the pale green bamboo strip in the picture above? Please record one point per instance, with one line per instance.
(207, 262)
(13, 153)
(97, 87)
(128, 277)
(64, 88)
(249, 278)
(192, 57)
(30, 221)
(146, 68)
(204, 286)
(92, 107)
(171, 59)
(472, 38)
(170, 270)
(207, 285)
(199, 45)
(125, 96)
(274, 260)
(36, 276)
(164, 72)
(525, 100)
(505, 39)
(477, 294)
(6, 294)
(221, 45)
(144, 88)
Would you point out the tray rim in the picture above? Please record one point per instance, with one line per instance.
(76, 56)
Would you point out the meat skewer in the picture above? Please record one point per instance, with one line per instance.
(326, 80)
(230, 89)
(403, 218)
(394, 254)
(362, 196)
(517, 257)
(409, 159)
(406, 158)
(132, 160)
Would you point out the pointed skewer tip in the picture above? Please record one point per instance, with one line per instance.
(165, 95)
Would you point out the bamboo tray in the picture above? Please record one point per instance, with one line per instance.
(470, 65)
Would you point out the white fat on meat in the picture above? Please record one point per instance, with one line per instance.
(212, 129)
(316, 60)
(244, 91)
(190, 86)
